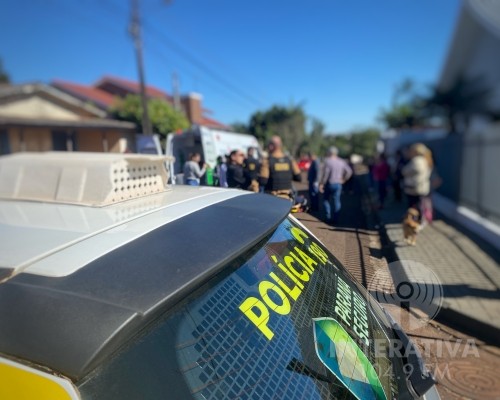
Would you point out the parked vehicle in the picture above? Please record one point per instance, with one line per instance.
(304, 164)
(210, 143)
(114, 286)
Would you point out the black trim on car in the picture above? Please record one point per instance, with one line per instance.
(73, 323)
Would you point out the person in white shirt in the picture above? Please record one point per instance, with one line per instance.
(192, 170)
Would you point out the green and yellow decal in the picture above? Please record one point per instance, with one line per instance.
(21, 382)
(285, 284)
(343, 357)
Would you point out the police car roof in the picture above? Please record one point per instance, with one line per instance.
(78, 282)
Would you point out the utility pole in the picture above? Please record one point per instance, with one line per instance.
(175, 87)
(135, 32)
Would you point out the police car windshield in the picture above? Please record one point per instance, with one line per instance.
(284, 321)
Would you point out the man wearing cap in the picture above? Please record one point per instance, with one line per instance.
(335, 172)
(277, 171)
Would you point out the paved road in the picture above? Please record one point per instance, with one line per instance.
(369, 243)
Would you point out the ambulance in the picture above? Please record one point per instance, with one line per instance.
(209, 143)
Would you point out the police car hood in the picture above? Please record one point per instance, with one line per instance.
(88, 290)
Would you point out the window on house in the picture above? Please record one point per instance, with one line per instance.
(63, 141)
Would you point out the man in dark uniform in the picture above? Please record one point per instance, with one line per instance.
(278, 171)
(313, 179)
(251, 167)
(236, 177)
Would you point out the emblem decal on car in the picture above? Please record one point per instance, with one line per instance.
(342, 356)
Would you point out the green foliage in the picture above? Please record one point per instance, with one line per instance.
(164, 118)
(364, 142)
(456, 104)
(239, 127)
(406, 109)
(315, 139)
(286, 122)
(341, 142)
(289, 123)
(400, 116)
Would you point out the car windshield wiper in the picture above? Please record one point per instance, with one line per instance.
(420, 379)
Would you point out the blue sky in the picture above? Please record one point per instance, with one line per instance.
(340, 59)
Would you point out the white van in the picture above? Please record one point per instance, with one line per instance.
(210, 143)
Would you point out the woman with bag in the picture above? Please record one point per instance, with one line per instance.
(417, 180)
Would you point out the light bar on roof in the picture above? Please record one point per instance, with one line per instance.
(92, 179)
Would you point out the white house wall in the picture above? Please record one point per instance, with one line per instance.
(480, 188)
(475, 48)
(36, 107)
(485, 62)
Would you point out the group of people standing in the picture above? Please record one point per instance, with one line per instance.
(413, 174)
(276, 173)
(273, 174)
(237, 171)
(328, 180)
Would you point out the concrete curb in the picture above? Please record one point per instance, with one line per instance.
(468, 325)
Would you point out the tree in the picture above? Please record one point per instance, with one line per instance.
(465, 97)
(400, 116)
(342, 143)
(313, 142)
(258, 127)
(164, 118)
(4, 77)
(364, 142)
(287, 122)
(239, 127)
(406, 108)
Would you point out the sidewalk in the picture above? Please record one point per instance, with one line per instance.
(469, 275)
(358, 241)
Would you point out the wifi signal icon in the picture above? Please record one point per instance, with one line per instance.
(414, 290)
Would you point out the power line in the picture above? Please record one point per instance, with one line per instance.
(112, 9)
(221, 65)
(192, 60)
(203, 67)
(161, 57)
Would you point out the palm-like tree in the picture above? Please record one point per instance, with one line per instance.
(405, 111)
(466, 97)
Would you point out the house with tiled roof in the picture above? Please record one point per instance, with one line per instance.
(121, 87)
(70, 116)
(39, 117)
(106, 90)
(91, 94)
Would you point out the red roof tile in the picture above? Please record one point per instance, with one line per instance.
(83, 92)
(211, 123)
(132, 86)
(105, 100)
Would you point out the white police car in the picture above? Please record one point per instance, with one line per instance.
(113, 286)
